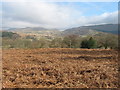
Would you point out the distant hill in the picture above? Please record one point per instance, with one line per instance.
(92, 30)
(36, 31)
(29, 29)
(81, 31)
(108, 28)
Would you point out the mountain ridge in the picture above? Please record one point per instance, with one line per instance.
(80, 31)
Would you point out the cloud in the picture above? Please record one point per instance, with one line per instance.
(50, 15)
(104, 18)
(42, 14)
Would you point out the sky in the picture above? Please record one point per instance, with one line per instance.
(60, 15)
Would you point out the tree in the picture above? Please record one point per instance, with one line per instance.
(30, 37)
(10, 35)
(71, 41)
(108, 41)
(56, 43)
(91, 43)
(84, 44)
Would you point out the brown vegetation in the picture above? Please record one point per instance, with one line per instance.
(63, 68)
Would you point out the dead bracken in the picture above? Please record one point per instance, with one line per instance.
(60, 68)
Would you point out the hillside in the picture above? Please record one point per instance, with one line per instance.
(79, 31)
(92, 30)
(108, 28)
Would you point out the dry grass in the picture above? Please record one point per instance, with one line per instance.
(63, 68)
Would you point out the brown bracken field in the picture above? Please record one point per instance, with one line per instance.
(59, 68)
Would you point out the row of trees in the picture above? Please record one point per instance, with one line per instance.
(72, 41)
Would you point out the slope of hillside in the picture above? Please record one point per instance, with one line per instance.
(79, 31)
(109, 28)
(92, 30)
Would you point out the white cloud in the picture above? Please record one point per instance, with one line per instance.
(101, 19)
(50, 15)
